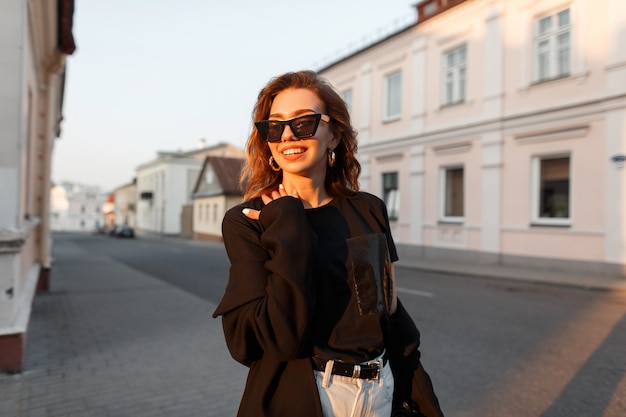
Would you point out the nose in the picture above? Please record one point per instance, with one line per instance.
(287, 134)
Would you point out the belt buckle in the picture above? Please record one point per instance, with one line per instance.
(377, 375)
(370, 367)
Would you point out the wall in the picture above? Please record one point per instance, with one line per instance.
(504, 123)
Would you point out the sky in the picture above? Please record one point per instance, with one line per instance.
(159, 75)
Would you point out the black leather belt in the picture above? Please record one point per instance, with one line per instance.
(362, 370)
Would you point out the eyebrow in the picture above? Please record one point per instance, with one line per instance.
(294, 113)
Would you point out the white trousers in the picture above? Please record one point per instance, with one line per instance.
(342, 396)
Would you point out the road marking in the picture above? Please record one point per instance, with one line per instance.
(415, 292)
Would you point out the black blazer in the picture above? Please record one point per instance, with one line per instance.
(266, 311)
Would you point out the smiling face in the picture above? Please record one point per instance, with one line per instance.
(301, 157)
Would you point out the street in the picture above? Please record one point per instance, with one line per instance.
(493, 348)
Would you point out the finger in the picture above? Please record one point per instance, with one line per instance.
(266, 199)
(295, 194)
(275, 195)
(281, 190)
(251, 213)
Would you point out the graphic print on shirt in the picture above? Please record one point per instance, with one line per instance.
(370, 273)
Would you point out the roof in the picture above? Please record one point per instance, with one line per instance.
(65, 38)
(426, 9)
(220, 149)
(227, 171)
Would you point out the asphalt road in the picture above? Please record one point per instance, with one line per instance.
(494, 348)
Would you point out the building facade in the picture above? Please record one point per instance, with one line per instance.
(125, 205)
(496, 131)
(76, 208)
(216, 191)
(165, 185)
(35, 39)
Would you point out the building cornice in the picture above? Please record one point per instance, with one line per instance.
(508, 123)
(12, 239)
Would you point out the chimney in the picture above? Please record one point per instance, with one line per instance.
(202, 143)
(429, 8)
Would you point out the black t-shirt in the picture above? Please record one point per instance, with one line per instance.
(353, 249)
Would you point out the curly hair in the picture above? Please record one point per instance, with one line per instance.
(258, 178)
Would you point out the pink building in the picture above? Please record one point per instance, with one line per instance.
(496, 131)
(35, 40)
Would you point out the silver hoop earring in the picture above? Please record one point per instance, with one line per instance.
(331, 158)
(273, 164)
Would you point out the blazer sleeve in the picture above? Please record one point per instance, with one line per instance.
(412, 382)
(266, 305)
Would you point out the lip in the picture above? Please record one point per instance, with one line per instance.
(302, 150)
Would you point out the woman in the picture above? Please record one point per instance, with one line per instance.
(310, 305)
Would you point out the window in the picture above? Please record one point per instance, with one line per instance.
(347, 98)
(393, 96)
(552, 37)
(209, 176)
(454, 75)
(391, 194)
(551, 193)
(430, 8)
(452, 194)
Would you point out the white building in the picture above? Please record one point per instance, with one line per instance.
(216, 191)
(76, 208)
(496, 131)
(35, 38)
(165, 185)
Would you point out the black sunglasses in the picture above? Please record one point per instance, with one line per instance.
(301, 126)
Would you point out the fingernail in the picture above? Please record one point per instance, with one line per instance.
(245, 211)
(281, 186)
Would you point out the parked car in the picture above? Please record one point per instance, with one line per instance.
(125, 231)
(122, 231)
(99, 230)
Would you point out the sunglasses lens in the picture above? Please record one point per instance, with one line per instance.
(269, 130)
(274, 131)
(301, 127)
(305, 126)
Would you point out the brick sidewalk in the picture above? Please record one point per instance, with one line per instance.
(108, 340)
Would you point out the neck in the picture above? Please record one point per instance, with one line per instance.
(311, 192)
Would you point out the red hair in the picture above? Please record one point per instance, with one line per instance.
(258, 178)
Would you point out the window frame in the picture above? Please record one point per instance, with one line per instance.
(554, 49)
(443, 194)
(388, 116)
(209, 176)
(458, 71)
(535, 196)
(391, 196)
(348, 97)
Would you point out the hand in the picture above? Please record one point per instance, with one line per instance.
(268, 198)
